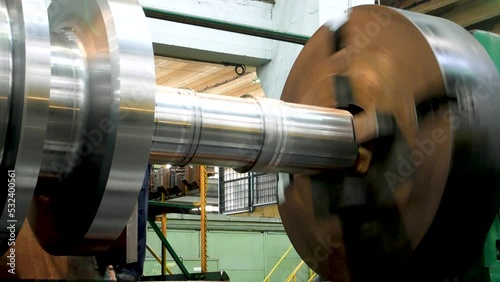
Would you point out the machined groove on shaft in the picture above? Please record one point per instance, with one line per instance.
(250, 134)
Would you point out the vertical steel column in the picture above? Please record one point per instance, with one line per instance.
(203, 229)
(251, 188)
(222, 193)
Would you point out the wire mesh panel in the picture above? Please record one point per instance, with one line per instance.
(241, 192)
(265, 188)
(234, 191)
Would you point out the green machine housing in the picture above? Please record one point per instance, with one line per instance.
(491, 258)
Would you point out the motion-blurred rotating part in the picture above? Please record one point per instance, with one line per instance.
(424, 92)
(24, 107)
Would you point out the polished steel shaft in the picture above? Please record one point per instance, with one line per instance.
(250, 134)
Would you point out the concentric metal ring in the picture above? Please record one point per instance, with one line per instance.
(29, 108)
(134, 84)
(6, 65)
(107, 173)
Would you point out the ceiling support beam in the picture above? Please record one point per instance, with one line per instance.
(429, 6)
(473, 12)
(189, 42)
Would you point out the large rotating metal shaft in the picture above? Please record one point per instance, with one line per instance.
(250, 134)
(82, 117)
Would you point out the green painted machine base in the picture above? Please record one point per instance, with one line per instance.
(491, 42)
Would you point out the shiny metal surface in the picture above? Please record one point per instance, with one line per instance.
(6, 73)
(29, 113)
(114, 78)
(68, 106)
(133, 80)
(398, 221)
(349, 222)
(250, 134)
(465, 65)
(305, 139)
(469, 75)
(231, 127)
(68, 112)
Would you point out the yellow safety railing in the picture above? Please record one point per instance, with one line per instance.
(312, 277)
(277, 264)
(158, 259)
(203, 217)
(292, 275)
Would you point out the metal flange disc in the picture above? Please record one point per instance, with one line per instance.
(398, 219)
(83, 207)
(6, 72)
(24, 106)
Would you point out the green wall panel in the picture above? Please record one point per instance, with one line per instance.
(152, 267)
(245, 275)
(276, 245)
(237, 250)
(244, 255)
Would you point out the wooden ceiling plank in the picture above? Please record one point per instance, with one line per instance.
(473, 12)
(171, 65)
(242, 80)
(186, 73)
(178, 76)
(206, 77)
(209, 76)
(224, 76)
(168, 69)
(430, 6)
(211, 80)
(193, 79)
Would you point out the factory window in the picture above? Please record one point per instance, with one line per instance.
(265, 189)
(241, 192)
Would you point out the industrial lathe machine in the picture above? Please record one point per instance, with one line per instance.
(386, 139)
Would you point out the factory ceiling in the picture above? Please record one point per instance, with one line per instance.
(207, 78)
